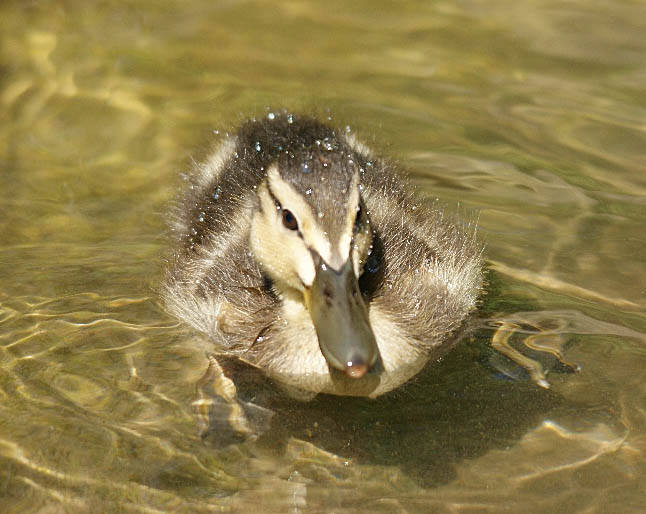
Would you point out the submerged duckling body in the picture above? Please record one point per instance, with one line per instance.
(305, 256)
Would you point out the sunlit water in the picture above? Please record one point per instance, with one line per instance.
(529, 115)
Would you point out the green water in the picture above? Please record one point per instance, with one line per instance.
(530, 114)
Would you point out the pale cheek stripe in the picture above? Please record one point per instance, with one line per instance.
(346, 238)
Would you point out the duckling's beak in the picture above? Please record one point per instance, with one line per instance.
(340, 318)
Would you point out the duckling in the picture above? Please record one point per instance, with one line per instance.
(302, 254)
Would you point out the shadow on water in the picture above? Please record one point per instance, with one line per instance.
(454, 410)
(471, 402)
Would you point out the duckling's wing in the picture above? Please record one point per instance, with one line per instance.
(212, 282)
(429, 273)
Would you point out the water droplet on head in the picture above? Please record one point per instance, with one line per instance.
(305, 168)
(361, 188)
(320, 214)
(348, 129)
(257, 146)
(271, 116)
(290, 118)
(217, 192)
(308, 191)
(216, 132)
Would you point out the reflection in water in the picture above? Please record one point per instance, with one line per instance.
(530, 114)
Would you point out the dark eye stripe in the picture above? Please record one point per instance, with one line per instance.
(289, 220)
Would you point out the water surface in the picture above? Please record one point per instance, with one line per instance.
(530, 116)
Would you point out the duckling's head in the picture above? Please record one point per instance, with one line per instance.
(311, 235)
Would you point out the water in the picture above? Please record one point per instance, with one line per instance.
(531, 114)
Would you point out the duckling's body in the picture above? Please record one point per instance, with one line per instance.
(307, 257)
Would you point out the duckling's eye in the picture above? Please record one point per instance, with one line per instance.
(289, 220)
